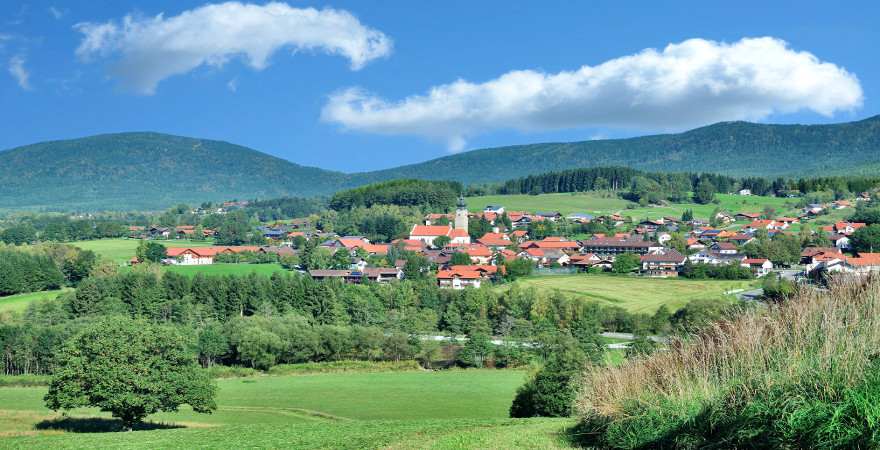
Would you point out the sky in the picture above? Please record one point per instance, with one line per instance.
(361, 85)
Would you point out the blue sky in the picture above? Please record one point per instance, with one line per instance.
(339, 104)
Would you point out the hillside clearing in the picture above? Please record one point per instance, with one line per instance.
(122, 250)
(598, 204)
(635, 294)
(19, 302)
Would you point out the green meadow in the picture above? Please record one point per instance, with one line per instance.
(598, 204)
(635, 294)
(226, 269)
(122, 250)
(18, 303)
(444, 409)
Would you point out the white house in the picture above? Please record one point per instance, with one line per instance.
(745, 192)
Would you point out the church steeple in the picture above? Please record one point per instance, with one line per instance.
(461, 215)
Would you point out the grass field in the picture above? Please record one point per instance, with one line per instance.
(227, 269)
(122, 250)
(593, 203)
(635, 294)
(367, 410)
(18, 303)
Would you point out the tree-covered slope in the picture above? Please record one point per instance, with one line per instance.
(732, 148)
(148, 170)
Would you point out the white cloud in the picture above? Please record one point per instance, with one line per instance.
(18, 71)
(152, 49)
(687, 84)
(232, 85)
(56, 13)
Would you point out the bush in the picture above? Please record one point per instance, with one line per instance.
(552, 390)
(344, 366)
(231, 372)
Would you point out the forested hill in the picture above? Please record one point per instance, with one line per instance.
(152, 171)
(148, 171)
(731, 148)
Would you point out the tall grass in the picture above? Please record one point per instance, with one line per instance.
(805, 374)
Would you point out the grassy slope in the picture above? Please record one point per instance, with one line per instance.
(122, 250)
(18, 303)
(591, 203)
(636, 294)
(446, 409)
(802, 374)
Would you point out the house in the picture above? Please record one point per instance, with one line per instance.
(459, 279)
(495, 240)
(587, 260)
(747, 216)
(431, 219)
(813, 209)
(580, 218)
(707, 256)
(549, 215)
(759, 266)
(840, 241)
(409, 245)
(479, 254)
(554, 243)
(741, 238)
(841, 204)
(496, 209)
(745, 192)
(724, 217)
(614, 246)
(159, 232)
(519, 235)
(724, 248)
(666, 262)
(196, 256)
(848, 228)
(814, 257)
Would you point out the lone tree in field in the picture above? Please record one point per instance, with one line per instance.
(131, 369)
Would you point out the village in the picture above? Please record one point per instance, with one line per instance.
(662, 247)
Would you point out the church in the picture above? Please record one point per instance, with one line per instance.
(457, 231)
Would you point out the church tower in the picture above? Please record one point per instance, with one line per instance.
(461, 215)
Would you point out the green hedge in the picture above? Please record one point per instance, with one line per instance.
(344, 366)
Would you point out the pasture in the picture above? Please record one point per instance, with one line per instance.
(635, 294)
(599, 204)
(19, 302)
(122, 250)
(352, 410)
(226, 269)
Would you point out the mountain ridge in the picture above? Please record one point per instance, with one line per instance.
(150, 170)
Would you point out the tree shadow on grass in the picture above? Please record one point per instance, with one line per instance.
(97, 425)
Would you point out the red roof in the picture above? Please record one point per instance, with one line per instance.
(475, 268)
(431, 230)
(458, 233)
(466, 274)
(865, 259)
(209, 251)
(755, 261)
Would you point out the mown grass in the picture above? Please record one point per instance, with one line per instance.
(425, 434)
(802, 375)
(599, 204)
(465, 396)
(635, 294)
(122, 250)
(226, 269)
(20, 302)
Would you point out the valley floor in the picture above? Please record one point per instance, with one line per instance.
(443, 409)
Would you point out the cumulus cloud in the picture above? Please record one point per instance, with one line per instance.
(19, 72)
(686, 84)
(148, 50)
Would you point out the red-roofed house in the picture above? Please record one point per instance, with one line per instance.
(459, 279)
(759, 266)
